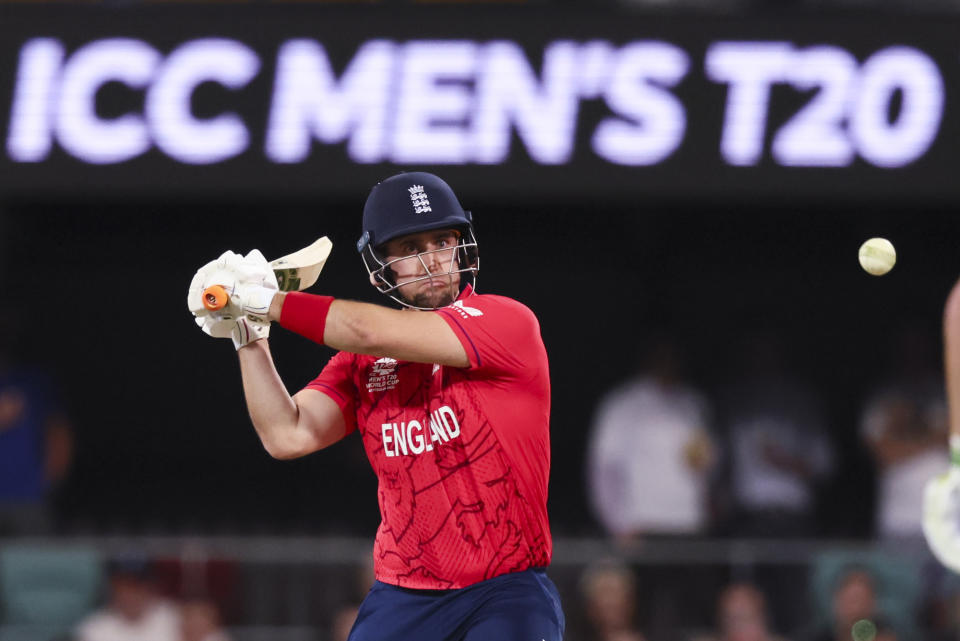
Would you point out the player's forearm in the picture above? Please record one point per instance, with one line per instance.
(272, 410)
(374, 330)
(346, 325)
(951, 358)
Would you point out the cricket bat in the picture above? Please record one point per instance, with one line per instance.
(295, 272)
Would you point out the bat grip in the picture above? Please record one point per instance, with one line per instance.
(214, 297)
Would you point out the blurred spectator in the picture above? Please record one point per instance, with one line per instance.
(651, 451)
(354, 593)
(904, 425)
(36, 443)
(854, 599)
(779, 449)
(343, 622)
(946, 622)
(134, 611)
(742, 615)
(200, 621)
(609, 592)
(364, 579)
(886, 632)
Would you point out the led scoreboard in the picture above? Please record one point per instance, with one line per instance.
(306, 101)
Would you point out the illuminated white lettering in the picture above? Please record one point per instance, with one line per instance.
(510, 95)
(816, 134)
(655, 120)
(464, 101)
(175, 130)
(35, 100)
(79, 129)
(849, 115)
(594, 67)
(749, 69)
(917, 78)
(433, 102)
(309, 102)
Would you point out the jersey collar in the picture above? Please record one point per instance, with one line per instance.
(466, 293)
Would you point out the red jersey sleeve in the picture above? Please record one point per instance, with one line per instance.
(499, 334)
(337, 381)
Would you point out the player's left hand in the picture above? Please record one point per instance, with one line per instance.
(941, 516)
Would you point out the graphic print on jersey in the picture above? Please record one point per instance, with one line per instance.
(461, 455)
(470, 514)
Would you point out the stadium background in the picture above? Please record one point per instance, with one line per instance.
(96, 258)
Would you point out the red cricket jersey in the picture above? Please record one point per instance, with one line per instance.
(462, 455)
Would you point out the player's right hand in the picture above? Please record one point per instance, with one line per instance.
(250, 284)
(241, 330)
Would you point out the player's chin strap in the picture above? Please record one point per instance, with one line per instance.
(941, 511)
(382, 277)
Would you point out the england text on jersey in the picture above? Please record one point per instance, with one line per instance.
(410, 437)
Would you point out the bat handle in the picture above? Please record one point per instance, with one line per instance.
(215, 297)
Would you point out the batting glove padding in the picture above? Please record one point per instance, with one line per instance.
(250, 284)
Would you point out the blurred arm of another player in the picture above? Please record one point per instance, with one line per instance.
(941, 504)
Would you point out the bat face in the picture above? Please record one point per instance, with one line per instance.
(288, 280)
(301, 269)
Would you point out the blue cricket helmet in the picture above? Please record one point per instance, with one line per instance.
(408, 203)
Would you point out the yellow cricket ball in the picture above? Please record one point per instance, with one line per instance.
(877, 256)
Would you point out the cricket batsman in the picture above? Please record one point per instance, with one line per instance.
(451, 396)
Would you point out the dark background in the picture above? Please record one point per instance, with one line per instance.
(96, 261)
(164, 443)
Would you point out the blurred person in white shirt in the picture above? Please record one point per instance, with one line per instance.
(134, 610)
(651, 451)
(779, 450)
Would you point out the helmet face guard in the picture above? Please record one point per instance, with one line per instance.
(464, 259)
(410, 203)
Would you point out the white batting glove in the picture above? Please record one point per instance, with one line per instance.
(249, 281)
(255, 287)
(217, 272)
(242, 331)
(250, 285)
(941, 511)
